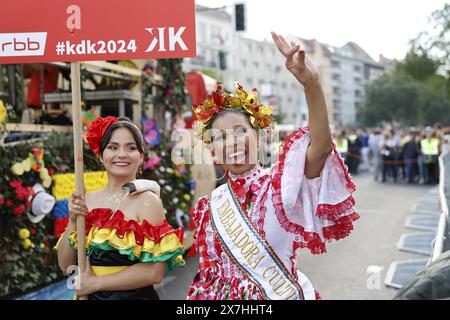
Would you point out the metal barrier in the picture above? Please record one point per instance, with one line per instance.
(442, 242)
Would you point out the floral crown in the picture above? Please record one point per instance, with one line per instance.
(250, 103)
(97, 130)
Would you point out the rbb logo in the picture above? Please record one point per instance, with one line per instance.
(22, 44)
(174, 38)
(17, 45)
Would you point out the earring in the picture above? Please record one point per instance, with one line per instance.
(102, 168)
(141, 170)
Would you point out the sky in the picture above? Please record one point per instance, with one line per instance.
(379, 27)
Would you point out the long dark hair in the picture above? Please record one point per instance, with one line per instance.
(123, 123)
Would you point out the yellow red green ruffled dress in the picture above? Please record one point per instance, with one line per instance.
(114, 243)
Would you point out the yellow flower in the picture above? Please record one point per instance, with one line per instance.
(42, 245)
(18, 168)
(24, 233)
(27, 243)
(2, 112)
(187, 197)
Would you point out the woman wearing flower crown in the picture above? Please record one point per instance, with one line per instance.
(128, 241)
(248, 230)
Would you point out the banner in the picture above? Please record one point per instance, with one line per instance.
(82, 30)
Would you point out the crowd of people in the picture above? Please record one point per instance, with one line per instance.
(400, 154)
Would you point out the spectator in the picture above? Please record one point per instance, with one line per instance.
(374, 145)
(388, 146)
(410, 153)
(354, 153)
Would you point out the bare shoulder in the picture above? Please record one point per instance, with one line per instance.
(150, 207)
(91, 199)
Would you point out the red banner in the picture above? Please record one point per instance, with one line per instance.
(82, 30)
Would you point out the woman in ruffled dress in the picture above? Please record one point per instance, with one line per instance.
(129, 243)
(248, 230)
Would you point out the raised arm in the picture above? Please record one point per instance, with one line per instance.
(301, 66)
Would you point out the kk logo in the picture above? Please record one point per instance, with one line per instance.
(162, 35)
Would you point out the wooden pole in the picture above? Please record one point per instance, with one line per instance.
(78, 159)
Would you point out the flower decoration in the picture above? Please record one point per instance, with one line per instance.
(2, 112)
(250, 103)
(150, 132)
(24, 233)
(97, 130)
(152, 162)
(19, 168)
(64, 183)
(38, 157)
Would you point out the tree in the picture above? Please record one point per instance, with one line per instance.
(392, 98)
(419, 66)
(439, 42)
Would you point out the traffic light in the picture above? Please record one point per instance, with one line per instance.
(239, 14)
(222, 61)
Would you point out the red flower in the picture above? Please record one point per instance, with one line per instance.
(50, 171)
(9, 202)
(33, 230)
(22, 194)
(15, 184)
(217, 99)
(1, 200)
(19, 210)
(97, 130)
(238, 186)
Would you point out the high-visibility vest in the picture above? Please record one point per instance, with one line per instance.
(404, 141)
(430, 146)
(342, 145)
(353, 137)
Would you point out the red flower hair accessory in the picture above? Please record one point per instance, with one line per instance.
(96, 131)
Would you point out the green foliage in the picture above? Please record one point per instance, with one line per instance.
(418, 66)
(437, 42)
(391, 98)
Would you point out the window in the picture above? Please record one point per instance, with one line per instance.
(357, 68)
(335, 64)
(256, 64)
(336, 90)
(336, 76)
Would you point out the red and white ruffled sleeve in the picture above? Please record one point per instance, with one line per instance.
(197, 214)
(315, 210)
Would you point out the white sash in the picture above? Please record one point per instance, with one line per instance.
(251, 253)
